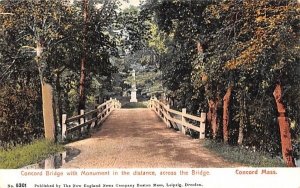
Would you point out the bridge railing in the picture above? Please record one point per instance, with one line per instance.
(87, 120)
(173, 118)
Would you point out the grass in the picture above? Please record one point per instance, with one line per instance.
(20, 156)
(135, 105)
(243, 155)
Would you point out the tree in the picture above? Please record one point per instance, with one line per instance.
(37, 26)
(97, 15)
(45, 34)
(181, 25)
(258, 57)
(244, 50)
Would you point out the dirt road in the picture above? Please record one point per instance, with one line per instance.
(137, 138)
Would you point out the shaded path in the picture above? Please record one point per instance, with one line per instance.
(137, 138)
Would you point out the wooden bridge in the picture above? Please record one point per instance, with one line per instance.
(142, 137)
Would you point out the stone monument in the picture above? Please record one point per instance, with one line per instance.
(133, 89)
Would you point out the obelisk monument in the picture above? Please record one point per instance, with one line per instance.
(133, 88)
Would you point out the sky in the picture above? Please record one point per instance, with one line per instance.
(131, 2)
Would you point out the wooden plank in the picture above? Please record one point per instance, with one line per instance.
(179, 113)
(183, 120)
(199, 119)
(103, 104)
(99, 122)
(175, 112)
(101, 114)
(71, 129)
(90, 112)
(71, 119)
(168, 116)
(176, 120)
(74, 118)
(191, 126)
(161, 109)
(189, 116)
(105, 108)
(90, 121)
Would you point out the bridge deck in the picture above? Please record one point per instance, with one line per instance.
(137, 138)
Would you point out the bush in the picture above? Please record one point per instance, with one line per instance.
(20, 116)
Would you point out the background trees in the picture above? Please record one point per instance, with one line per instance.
(41, 43)
(33, 29)
(242, 49)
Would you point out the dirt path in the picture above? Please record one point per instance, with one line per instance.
(137, 138)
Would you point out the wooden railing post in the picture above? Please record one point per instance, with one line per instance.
(110, 105)
(49, 163)
(63, 157)
(161, 110)
(202, 126)
(183, 121)
(167, 116)
(99, 110)
(64, 127)
(94, 116)
(153, 104)
(82, 120)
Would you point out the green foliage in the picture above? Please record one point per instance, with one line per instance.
(58, 28)
(133, 30)
(23, 155)
(20, 110)
(248, 45)
(252, 47)
(157, 39)
(179, 26)
(246, 156)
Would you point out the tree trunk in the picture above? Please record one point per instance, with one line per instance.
(82, 96)
(209, 114)
(47, 97)
(48, 114)
(213, 117)
(285, 135)
(82, 85)
(226, 114)
(59, 98)
(242, 119)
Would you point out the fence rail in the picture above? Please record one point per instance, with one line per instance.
(88, 120)
(173, 118)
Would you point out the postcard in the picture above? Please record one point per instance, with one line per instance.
(149, 94)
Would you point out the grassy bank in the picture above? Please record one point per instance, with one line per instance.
(243, 155)
(135, 105)
(28, 154)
